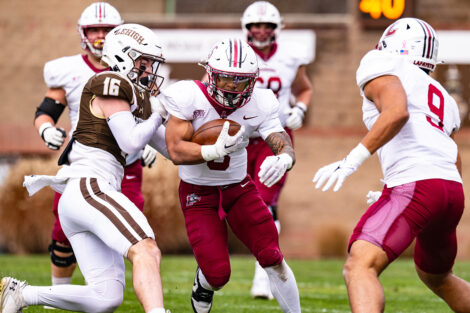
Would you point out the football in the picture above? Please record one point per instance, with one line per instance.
(208, 133)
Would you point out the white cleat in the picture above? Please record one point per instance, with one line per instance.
(261, 288)
(11, 298)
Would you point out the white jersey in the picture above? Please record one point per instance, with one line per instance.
(189, 100)
(71, 73)
(423, 148)
(277, 72)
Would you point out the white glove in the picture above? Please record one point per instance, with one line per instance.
(157, 107)
(149, 155)
(338, 171)
(273, 168)
(52, 136)
(296, 115)
(373, 196)
(225, 144)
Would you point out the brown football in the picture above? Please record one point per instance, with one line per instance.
(208, 133)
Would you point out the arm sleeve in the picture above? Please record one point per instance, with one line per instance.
(132, 137)
(158, 142)
(271, 124)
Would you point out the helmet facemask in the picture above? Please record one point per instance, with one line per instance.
(95, 47)
(144, 72)
(231, 90)
(269, 28)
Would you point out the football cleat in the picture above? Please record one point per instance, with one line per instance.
(261, 288)
(11, 298)
(201, 298)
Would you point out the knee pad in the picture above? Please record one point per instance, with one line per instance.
(218, 276)
(61, 261)
(269, 256)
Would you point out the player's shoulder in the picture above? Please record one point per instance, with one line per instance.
(264, 99)
(182, 90)
(295, 52)
(111, 84)
(64, 63)
(378, 63)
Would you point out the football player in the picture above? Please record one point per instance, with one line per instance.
(215, 188)
(65, 78)
(283, 70)
(101, 223)
(411, 121)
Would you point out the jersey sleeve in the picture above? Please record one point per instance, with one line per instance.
(175, 99)
(272, 123)
(375, 64)
(55, 73)
(108, 84)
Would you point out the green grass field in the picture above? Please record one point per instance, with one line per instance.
(320, 284)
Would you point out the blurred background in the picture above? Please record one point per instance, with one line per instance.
(335, 33)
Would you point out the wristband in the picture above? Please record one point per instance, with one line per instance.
(209, 152)
(43, 127)
(358, 155)
(301, 106)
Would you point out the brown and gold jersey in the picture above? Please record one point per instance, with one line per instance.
(92, 129)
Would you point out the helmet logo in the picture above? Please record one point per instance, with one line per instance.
(131, 33)
(391, 31)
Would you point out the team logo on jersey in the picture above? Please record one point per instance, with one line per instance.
(198, 113)
(191, 199)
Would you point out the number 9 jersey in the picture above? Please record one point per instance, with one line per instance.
(423, 148)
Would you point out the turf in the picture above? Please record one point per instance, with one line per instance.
(320, 284)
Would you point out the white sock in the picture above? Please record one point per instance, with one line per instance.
(284, 287)
(260, 273)
(157, 310)
(60, 280)
(204, 283)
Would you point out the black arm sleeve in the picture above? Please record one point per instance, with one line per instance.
(50, 107)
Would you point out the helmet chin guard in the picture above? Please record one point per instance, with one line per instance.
(413, 39)
(232, 69)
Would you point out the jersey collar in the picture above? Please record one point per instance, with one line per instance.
(222, 112)
(91, 66)
(265, 57)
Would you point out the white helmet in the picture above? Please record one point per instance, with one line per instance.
(414, 39)
(233, 62)
(261, 12)
(98, 14)
(124, 45)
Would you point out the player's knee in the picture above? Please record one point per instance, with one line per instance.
(145, 249)
(61, 255)
(219, 275)
(108, 295)
(269, 256)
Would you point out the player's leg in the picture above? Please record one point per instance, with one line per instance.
(131, 185)
(364, 264)
(435, 251)
(63, 261)
(102, 267)
(252, 223)
(258, 150)
(207, 235)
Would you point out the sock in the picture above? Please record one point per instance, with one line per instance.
(61, 280)
(204, 283)
(157, 310)
(284, 287)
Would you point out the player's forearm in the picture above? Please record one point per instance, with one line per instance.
(41, 119)
(388, 124)
(281, 143)
(185, 153)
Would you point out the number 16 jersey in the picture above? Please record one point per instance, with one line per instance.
(423, 148)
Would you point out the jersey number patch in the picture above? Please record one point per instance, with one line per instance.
(274, 83)
(111, 86)
(436, 108)
(217, 165)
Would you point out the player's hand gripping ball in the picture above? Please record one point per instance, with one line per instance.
(208, 133)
